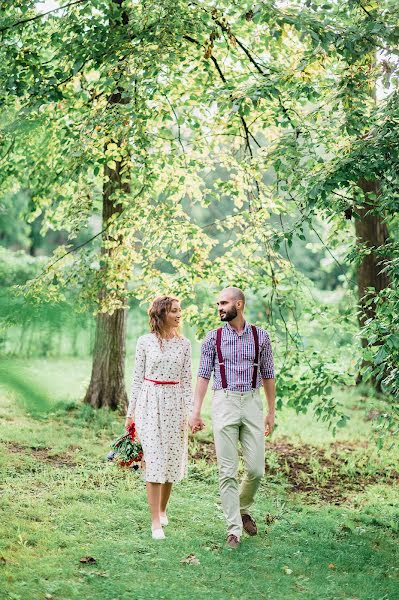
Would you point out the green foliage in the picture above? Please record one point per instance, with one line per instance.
(265, 112)
(17, 267)
(14, 229)
(382, 351)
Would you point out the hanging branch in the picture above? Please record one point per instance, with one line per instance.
(227, 29)
(75, 248)
(23, 21)
(247, 132)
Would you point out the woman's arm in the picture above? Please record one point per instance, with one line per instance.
(186, 380)
(138, 378)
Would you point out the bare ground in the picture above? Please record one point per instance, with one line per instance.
(63, 459)
(328, 474)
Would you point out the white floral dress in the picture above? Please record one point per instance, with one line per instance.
(161, 411)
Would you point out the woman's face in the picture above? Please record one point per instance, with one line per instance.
(173, 317)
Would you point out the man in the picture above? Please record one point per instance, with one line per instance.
(240, 356)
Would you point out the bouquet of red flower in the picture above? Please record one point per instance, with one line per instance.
(127, 449)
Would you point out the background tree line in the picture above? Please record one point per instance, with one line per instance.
(178, 148)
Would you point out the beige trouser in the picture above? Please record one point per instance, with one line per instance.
(238, 416)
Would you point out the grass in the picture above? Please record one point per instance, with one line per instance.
(327, 510)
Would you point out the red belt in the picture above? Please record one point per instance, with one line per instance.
(162, 382)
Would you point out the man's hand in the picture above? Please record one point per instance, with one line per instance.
(196, 423)
(128, 422)
(269, 423)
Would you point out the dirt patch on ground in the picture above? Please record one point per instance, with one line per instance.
(203, 450)
(323, 473)
(329, 474)
(63, 459)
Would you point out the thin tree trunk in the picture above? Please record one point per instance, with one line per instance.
(372, 232)
(107, 384)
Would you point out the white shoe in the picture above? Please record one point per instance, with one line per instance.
(158, 534)
(164, 520)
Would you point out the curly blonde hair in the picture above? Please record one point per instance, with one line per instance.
(157, 313)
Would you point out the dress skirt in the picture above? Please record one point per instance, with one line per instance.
(162, 427)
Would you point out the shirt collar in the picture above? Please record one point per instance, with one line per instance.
(246, 327)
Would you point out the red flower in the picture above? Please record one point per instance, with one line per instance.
(125, 463)
(127, 448)
(132, 431)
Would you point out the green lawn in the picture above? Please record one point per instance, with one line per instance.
(327, 510)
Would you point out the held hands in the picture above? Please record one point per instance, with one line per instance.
(269, 423)
(128, 422)
(196, 424)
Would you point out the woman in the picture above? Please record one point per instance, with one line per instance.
(160, 404)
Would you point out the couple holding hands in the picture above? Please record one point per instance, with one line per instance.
(240, 357)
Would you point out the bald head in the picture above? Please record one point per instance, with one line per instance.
(231, 304)
(235, 293)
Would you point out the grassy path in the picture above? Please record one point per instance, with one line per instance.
(335, 537)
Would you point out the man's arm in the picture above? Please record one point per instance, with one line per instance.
(268, 381)
(269, 386)
(195, 421)
(205, 370)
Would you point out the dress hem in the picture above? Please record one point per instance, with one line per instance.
(166, 481)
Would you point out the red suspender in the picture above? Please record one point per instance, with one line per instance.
(220, 357)
(256, 361)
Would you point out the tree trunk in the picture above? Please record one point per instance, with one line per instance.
(372, 232)
(35, 239)
(107, 384)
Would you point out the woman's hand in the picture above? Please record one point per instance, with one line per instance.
(196, 423)
(128, 422)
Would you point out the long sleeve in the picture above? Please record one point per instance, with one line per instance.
(186, 380)
(207, 360)
(266, 360)
(138, 376)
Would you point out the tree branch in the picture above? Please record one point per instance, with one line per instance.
(8, 151)
(364, 9)
(178, 129)
(22, 21)
(247, 132)
(250, 57)
(51, 265)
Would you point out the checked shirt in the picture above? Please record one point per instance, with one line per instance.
(238, 354)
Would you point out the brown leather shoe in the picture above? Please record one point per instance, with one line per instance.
(233, 541)
(249, 524)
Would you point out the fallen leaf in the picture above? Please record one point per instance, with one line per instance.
(269, 519)
(331, 566)
(87, 559)
(287, 570)
(49, 596)
(2, 560)
(191, 559)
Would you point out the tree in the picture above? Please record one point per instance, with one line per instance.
(104, 88)
(107, 384)
(258, 95)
